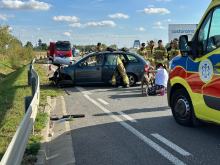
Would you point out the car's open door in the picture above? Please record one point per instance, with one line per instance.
(109, 67)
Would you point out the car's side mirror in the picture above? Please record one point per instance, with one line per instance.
(184, 44)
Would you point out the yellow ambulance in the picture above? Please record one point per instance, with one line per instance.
(194, 82)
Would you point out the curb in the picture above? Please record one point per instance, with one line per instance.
(60, 149)
(56, 151)
(46, 133)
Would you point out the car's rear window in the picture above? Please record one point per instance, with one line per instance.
(61, 46)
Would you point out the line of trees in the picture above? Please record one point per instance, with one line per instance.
(39, 47)
(12, 50)
(89, 48)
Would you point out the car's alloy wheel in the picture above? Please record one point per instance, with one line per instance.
(132, 79)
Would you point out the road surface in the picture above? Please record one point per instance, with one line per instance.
(123, 128)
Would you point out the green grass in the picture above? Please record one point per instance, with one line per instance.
(5, 68)
(33, 145)
(41, 121)
(13, 89)
(42, 117)
(46, 89)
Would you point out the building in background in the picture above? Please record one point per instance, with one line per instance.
(176, 30)
(137, 44)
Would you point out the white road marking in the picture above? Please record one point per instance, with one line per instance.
(63, 107)
(127, 117)
(171, 144)
(148, 141)
(103, 101)
(83, 91)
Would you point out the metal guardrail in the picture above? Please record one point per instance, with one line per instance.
(16, 148)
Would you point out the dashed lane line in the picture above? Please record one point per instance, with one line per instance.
(120, 113)
(127, 117)
(103, 101)
(171, 144)
(174, 160)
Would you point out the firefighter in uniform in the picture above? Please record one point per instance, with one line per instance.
(150, 51)
(174, 50)
(122, 72)
(160, 54)
(143, 52)
(98, 47)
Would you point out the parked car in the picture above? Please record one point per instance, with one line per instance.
(98, 68)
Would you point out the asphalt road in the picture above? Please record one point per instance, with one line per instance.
(123, 128)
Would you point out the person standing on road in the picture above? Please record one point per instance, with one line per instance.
(150, 51)
(122, 72)
(160, 54)
(161, 79)
(174, 50)
(143, 52)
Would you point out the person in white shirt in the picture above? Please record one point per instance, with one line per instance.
(161, 79)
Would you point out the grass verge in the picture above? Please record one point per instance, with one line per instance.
(41, 120)
(13, 89)
(5, 68)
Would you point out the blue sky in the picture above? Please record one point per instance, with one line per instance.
(90, 21)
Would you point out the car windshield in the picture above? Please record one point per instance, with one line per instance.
(61, 46)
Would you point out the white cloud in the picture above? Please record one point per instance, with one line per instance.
(105, 23)
(76, 25)
(159, 25)
(154, 10)
(141, 29)
(118, 16)
(3, 17)
(30, 5)
(68, 34)
(62, 18)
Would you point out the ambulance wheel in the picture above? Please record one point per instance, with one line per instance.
(182, 108)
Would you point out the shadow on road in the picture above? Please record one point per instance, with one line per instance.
(135, 111)
(110, 143)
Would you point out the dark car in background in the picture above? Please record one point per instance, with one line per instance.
(98, 68)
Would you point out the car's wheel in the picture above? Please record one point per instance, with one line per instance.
(56, 78)
(132, 79)
(182, 108)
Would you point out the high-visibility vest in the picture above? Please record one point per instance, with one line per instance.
(173, 53)
(160, 54)
(143, 52)
(150, 52)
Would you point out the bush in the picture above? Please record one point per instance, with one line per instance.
(19, 55)
(33, 145)
(11, 49)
